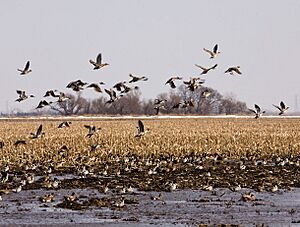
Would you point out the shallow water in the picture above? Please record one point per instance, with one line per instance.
(177, 208)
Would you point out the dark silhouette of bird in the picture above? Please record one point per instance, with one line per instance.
(233, 70)
(65, 124)
(171, 81)
(118, 86)
(92, 130)
(26, 69)
(282, 108)
(43, 103)
(141, 129)
(214, 52)
(23, 96)
(127, 89)
(258, 113)
(98, 64)
(194, 83)
(51, 93)
(137, 78)
(96, 87)
(206, 70)
(76, 85)
(39, 133)
(113, 95)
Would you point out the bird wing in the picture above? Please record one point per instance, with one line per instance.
(39, 130)
(277, 107)
(99, 58)
(19, 92)
(88, 127)
(141, 128)
(208, 51)
(215, 50)
(253, 111)
(199, 66)
(237, 71)
(213, 67)
(282, 105)
(257, 108)
(172, 84)
(27, 66)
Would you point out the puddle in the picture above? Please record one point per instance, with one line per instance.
(180, 208)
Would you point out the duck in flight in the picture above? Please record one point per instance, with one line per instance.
(258, 113)
(98, 64)
(96, 87)
(26, 69)
(214, 52)
(282, 108)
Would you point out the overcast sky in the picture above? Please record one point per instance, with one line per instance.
(154, 38)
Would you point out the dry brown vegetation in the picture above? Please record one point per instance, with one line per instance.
(179, 146)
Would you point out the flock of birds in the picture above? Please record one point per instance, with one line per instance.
(124, 87)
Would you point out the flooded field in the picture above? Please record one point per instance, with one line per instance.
(176, 208)
(182, 172)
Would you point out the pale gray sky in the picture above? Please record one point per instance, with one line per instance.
(154, 38)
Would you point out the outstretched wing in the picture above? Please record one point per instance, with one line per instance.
(215, 50)
(39, 130)
(199, 66)
(99, 58)
(253, 111)
(141, 128)
(257, 108)
(282, 105)
(277, 107)
(27, 66)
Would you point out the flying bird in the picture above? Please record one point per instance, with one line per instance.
(43, 103)
(137, 78)
(118, 86)
(65, 124)
(258, 113)
(38, 133)
(282, 108)
(233, 70)
(92, 130)
(205, 94)
(112, 94)
(214, 52)
(206, 70)
(22, 96)
(171, 81)
(51, 93)
(98, 64)
(26, 69)
(95, 86)
(140, 129)
(76, 85)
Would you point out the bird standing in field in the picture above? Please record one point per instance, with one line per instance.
(214, 52)
(232, 70)
(26, 69)
(206, 70)
(171, 81)
(258, 113)
(282, 108)
(98, 64)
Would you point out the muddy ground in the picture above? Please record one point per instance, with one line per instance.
(176, 208)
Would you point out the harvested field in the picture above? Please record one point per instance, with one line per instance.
(175, 154)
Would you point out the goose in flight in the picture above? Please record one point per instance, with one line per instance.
(233, 70)
(26, 69)
(141, 129)
(137, 78)
(22, 96)
(119, 85)
(214, 52)
(113, 95)
(38, 133)
(194, 83)
(98, 64)
(206, 70)
(282, 108)
(92, 130)
(51, 93)
(171, 81)
(127, 89)
(205, 94)
(258, 113)
(76, 85)
(43, 103)
(65, 124)
(96, 87)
